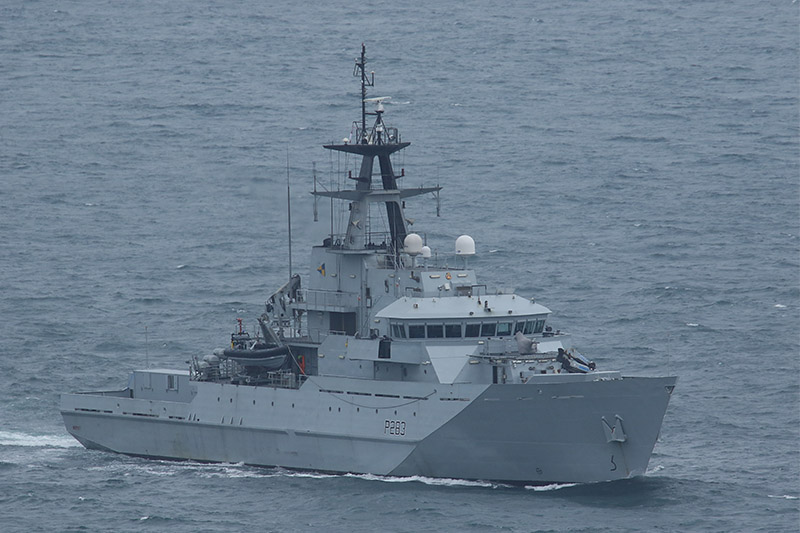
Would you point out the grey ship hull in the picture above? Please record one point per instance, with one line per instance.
(559, 428)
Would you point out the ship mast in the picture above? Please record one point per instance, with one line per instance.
(378, 141)
(360, 70)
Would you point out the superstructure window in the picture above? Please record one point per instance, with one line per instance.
(539, 326)
(435, 331)
(488, 329)
(172, 382)
(503, 329)
(398, 331)
(519, 327)
(529, 327)
(452, 331)
(473, 330)
(416, 331)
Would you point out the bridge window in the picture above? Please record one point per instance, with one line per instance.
(473, 330)
(416, 331)
(488, 329)
(398, 331)
(503, 329)
(452, 331)
(435, 331)
(539, 326)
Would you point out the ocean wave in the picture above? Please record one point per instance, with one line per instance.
(13, 438)
(241, 470)
(434, 481)
(163, 468)
(553, 486)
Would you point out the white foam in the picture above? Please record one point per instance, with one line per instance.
(237, 471)
(435, 481)
(657, 468)
(554, 486)
(784, 497)
(13, 438)
(780, 306)
(692, 324)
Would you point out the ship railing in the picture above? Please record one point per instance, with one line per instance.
(282, 379)
(318, 299)
(315, 335)
(374, 135)
(201, 370)
(508, 347)
(380, 240)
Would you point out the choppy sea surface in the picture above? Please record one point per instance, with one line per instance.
(635, 166)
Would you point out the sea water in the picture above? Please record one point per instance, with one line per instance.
(631, 165)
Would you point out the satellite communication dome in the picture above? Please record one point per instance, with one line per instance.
(465, 245)
(426, 252)
(412, 244)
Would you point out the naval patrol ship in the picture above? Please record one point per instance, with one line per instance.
(385, 362)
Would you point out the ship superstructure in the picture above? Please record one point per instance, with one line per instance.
(386, 362)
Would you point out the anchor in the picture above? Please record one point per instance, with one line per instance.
(614, 433)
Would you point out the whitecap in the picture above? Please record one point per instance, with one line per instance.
(12, 438)
(554, 486)
(180, 267)
(780, 306)
(692, 324)
(434, 481)
(783, 497)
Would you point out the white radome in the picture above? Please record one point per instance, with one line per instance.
(465, 245)
(412, 244)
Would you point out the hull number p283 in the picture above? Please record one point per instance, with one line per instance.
(394, 427)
